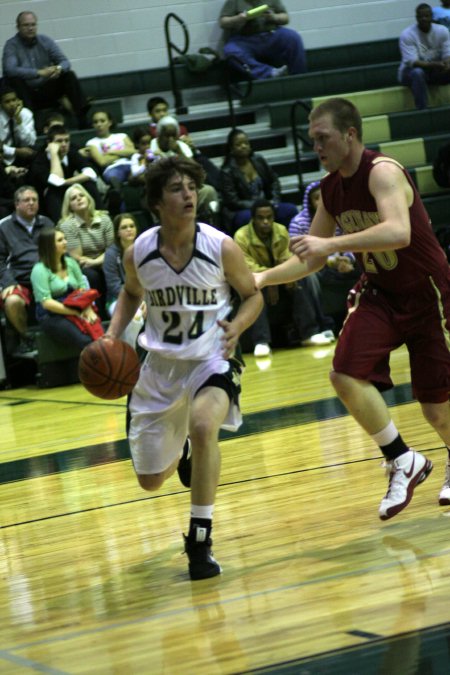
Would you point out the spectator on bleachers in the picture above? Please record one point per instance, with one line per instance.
(11, 178)
(158, 108)
(301, 223)
(40, 73)
(265, 244)
(17, 131)
(167, 141)
(143, 156)
(110, 151)
(53, 118)
(340, 273)
(56, 167)
(19, 235)
(259, 41)
(441, 166)
(53, 277)
(89, 232)
(246, 176)
(140, 161)
(425, 52)
(442, 14)
(125, 232)
(167, 144)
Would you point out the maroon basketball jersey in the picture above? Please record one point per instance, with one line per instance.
(349, 201)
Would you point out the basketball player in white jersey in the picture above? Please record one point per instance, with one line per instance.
(189, 382)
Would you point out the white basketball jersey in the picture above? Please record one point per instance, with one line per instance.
(183, 307)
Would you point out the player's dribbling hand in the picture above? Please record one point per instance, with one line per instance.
(229, 338)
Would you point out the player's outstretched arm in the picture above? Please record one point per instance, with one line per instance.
(130, 298)
(305, 260)
(393, 196)
(286, 273)
(241, 279)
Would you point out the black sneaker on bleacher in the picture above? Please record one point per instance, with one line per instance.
(26, 348)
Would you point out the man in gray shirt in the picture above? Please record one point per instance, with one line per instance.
(425, 50)
(40, 72)
(19, 234)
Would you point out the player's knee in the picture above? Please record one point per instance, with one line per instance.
(339, 381)
(438, 415)
(202, 431)
(151, 482)
(344, 385)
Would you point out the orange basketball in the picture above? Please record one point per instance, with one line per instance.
(108, 368)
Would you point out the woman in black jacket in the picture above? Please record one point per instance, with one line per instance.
(245, 177)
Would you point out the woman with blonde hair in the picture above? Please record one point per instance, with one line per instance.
(89, 232)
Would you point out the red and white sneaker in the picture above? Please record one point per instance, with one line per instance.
(405, 473)
(444, 495)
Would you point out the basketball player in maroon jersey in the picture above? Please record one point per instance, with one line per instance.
(403, 296)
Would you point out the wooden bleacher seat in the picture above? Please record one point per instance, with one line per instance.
(392, 99)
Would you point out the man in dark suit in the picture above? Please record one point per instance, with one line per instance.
(56, 167)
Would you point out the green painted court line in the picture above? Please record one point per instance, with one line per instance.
(255, 423)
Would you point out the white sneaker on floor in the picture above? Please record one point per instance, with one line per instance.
(261, 349)
(329, 334)
(405, 473)
(444, 495)
(317, 339)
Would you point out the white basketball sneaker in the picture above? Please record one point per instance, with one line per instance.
(262, 349)
(405, 473)
(444, 495)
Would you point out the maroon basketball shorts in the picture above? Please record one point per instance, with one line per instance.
(380, 322)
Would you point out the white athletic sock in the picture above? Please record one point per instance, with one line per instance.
(386, 435)
(205, 512)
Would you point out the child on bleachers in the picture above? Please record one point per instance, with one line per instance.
(110, 151)
(158, 108)
(141, 159)
(17, 130)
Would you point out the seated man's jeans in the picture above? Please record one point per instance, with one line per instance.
(262, 52)
(417, 80)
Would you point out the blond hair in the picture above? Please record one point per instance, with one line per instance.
(65, 209)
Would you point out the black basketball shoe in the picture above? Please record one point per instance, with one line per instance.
(202, 565)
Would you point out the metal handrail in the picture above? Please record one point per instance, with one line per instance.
(232, 88)
(172, 47)
(299, 138)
